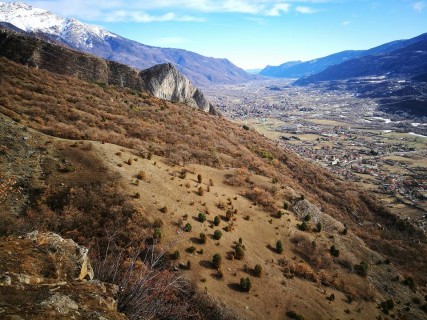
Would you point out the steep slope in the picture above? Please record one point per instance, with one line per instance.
(199, 69)
(318, 65)
(102, 194)
(406, 62)
(162, 81)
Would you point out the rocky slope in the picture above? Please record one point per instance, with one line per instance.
(301, 69)
(163, 81)
(43, 276)
(199, 69)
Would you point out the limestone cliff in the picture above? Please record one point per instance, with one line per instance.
(166, 82)
(163, 81)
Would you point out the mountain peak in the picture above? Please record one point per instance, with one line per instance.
(92, 39)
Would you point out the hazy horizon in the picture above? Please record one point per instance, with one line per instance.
(253, 34)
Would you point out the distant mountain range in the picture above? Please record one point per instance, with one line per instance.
(406, 62)
(298, 69)
(72, 33)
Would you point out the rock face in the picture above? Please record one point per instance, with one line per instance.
(166, 82)
(43, 276)
(162, 81)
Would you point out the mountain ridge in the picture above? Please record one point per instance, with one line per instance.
(199, 69)
(408, 61)
(166, 83)
(319, 64)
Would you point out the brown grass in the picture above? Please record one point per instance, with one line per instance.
(69, 108)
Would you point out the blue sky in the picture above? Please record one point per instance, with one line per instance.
(253, 33)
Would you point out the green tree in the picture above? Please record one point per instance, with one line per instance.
(245, 284)
(217, 234)
(279, 246)
(216, 260)
(202, 217)
(217, 220)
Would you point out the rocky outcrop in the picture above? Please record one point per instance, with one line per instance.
(163, 81)
(166, 82)
(43, 276)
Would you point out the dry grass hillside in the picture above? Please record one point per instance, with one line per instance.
(118, 171)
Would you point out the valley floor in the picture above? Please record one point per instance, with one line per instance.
(384, 154)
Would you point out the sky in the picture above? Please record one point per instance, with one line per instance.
(253, 33)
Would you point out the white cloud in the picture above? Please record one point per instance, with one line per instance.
(279, 7)
(168, 10)
(141, 16)
(345, 23)
(419, 6)
(306, 10)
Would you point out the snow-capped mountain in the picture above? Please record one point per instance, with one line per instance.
(37, 22)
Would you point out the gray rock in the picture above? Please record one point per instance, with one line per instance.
(164, 81)
(62, 304)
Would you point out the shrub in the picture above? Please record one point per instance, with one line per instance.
(361, 269)
(386, 306)
(334, 251)
(280, 214)
(285, 205)
(279, 246)
(245, 127)
(265, 154)
(202, 217)
(217, 220)
(175, 255)
(229, 215)
(199, 178)
(303, 226)
(293, 315)
(158, 223)
(319, 227)
(239, 252)
(216, 260)
(141, 175)
(408, 281)
(274, 180)
(203, 238)
(200, 191)
(217, 234)
(191, 249)
(187, 227)
(258, 271)
(245, 284)
(157, 234)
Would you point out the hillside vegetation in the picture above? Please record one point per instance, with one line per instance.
(118, 171)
